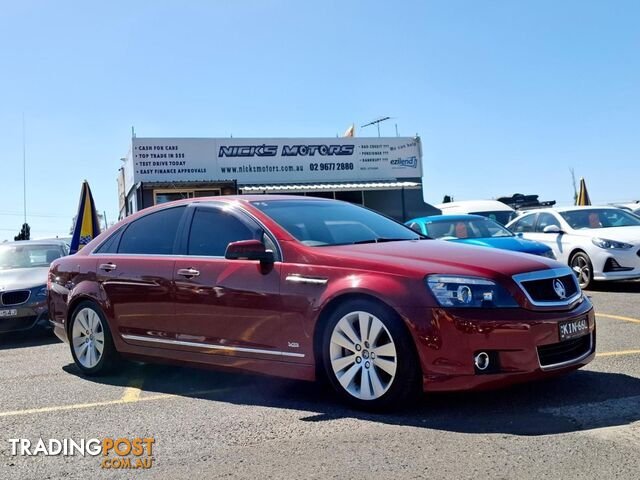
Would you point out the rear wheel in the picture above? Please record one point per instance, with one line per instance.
(581, 265)
(369, 357)
(90, 340)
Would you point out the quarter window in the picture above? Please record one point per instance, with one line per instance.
(153, 234)
(213, 229)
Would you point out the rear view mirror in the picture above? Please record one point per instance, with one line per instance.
(249, 250)
(552, 229)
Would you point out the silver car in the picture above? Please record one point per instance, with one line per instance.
(24, 267)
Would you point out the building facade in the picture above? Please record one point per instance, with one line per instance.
(384, 174)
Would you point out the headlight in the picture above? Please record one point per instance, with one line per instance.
(41, 292)
(610, 244)
(548, 254)
(469, 292)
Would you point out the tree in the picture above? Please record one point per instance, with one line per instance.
(25, 233)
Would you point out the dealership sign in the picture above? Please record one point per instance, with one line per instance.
(272, 160)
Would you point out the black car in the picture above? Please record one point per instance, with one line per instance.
(24, 267)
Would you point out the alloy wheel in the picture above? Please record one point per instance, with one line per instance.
(87, 336)
(363, 355)
(582, 270)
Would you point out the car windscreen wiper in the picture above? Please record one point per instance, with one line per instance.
(382, 240)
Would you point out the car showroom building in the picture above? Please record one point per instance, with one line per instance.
(384, 174)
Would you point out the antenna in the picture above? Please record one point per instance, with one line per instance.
(24, 168)
(376, 122)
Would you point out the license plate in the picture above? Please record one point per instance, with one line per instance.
(8, 313)
(573, 328)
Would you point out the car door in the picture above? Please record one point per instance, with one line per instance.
(229, 307)
(135, 268)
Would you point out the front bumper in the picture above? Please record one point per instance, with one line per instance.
(629, 260)
(27, 316)
(449, 339)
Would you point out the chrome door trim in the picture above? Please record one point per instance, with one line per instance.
(297, 278)
(167, 341)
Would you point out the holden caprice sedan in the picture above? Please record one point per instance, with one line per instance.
(302, 287)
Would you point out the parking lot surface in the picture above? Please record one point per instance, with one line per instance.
(207, 423)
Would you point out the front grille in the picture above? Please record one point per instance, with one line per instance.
(14, 298)
(543, 290)
(564, 351)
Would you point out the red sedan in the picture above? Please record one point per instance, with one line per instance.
(300, 287)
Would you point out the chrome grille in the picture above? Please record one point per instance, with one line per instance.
(550, 288)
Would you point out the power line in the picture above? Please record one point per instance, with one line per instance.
(43, 215)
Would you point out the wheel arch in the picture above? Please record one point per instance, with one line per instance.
(330, 307)
(73, 305)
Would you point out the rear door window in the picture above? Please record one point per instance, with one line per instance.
(153, 234)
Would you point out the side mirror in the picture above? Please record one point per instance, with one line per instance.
(519, 235)
(551, 229)
(249, 250)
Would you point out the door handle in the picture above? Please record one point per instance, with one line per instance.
(107, 267)
(188, 272)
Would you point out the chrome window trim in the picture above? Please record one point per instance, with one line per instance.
(141, 338)
(14, 291)
(210, 202)
(567, 363)
(549, 274)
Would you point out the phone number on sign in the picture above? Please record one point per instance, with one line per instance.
(331, 166)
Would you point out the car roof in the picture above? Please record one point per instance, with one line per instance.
(570, 209)
(53, 241)
(477, 205)
(453, 218)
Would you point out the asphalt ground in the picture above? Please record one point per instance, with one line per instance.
(210, 424)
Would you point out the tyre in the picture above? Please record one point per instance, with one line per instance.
(581, 265)
(369, 356)
(90, 340)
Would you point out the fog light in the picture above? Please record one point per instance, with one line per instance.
(481, 361)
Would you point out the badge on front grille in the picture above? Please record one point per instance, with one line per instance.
(558, 287)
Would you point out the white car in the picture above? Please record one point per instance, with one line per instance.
(598, 243)
(493, 209)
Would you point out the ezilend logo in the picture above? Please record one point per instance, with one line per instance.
(405, 162)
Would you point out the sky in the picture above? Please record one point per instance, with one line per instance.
(506, 96)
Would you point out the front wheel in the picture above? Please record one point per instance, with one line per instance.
(369, 357)
(90, 340)
(583, 268)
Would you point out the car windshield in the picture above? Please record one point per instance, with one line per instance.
(501, 216)
(325, 223)
(466, 228)
(599, 218)
(28, 256)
